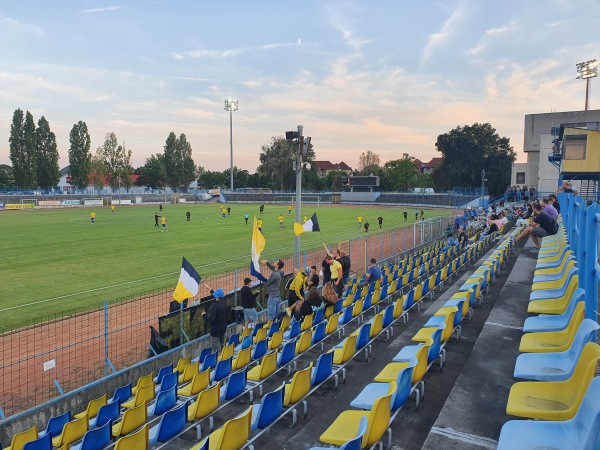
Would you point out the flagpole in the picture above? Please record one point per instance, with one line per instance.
(298, 192)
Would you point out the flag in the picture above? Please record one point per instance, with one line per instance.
(258, 245)
(311, 224)
(189, 280)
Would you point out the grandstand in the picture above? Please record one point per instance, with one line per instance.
(421, 359)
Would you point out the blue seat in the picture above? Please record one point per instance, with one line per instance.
(318, 333)
(162, 372)
(388, 316)
(55, 424)
(347, 316)
(203, 354)
(222, 370)
(557, 366)
(257, 327)
(286, 353)
(171, 424)
(353, 444)
(293, 332)
(372, 391)
(122, 394)
(95, 439)
(582, 432)
(235, 385)
(247, 342)
(268, 410)
(319, 316)
(260, 349)
(165, 400)
(168, 381)
(409, 300)
(554, 322)
(363, 336)
(44, 442)
(338, 306)
(106, 413)
(458, 317)
(274, 329)
(234, 339)
(547, 294)
(384, 291)
(323, 368)
(210, 361)
(368, 301)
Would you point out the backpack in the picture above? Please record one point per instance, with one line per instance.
(329, 295)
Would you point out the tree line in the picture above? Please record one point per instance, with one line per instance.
(466, 151)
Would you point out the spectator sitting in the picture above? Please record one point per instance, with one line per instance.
(555, 203)
(462, 237)
(452, 241)
(296, 287)
(373, 274)
(313, 303)
(542, 225)
(549, 209)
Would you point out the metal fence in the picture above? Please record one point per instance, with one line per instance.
(65, 351)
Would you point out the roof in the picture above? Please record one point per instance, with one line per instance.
(433, 163)
(328, 165)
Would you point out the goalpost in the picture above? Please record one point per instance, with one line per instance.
(106, 201)
(309, 199)
(28, 203)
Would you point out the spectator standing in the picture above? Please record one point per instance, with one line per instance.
(336, 275)
(296, 289)
(217, 319)
(273, 284)
(249, 304)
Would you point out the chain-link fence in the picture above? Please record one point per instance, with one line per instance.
(60, 353)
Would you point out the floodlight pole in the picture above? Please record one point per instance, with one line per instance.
(231, 105)
(298, 193)
(586, 71)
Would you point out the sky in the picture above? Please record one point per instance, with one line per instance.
(387, 76)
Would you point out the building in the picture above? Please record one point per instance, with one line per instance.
(540, 133)
(64, 184)
(428, 167)
(325, 167)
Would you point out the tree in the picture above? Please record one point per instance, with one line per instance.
(99, 170)
(368, 163)
(48, 172)
(6, 176)
(127, 169)
(113, 155)
(80, 159)
(172, 161)
(23, 149)
(277, 162)
(188, 168)
(400, 174)
(470, 149)
(152, 173)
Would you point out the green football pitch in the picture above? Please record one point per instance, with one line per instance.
(56, 260)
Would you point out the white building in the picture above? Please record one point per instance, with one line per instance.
(539, 134)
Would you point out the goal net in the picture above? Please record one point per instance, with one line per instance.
(28, 203)
(106, 201)
(309, 199)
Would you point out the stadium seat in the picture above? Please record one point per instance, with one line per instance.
(188, 372)
(226, 352)
(171, 424)
(92, 408)
(234, 386)
(372, 391)
(56, 424)
(558, 341)
(95, 439)
(206, 402)
(260, 349)
(323, 368)
(233, 434)
(346, 352)
(276, 340)
(318, 334)
(268, 410)
(222, 370)
(72, 431)
(141, 382)
(558, 322)
(41, 443)
(242, 359)
(144, 394)
(352, 444)
(107, 413)
(162, 372)
(181, 364)
(165, 400)
(265, 368)
(200, 382)
(122, 394)
(210, 362)
(132, 419)
(20, 439)
(297, 389)
(168, 381)
(286, 354)
(202, 445)
(303, 342)
(137, 440)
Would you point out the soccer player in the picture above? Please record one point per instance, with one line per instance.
(246, 216)
(281, 221)
(228, 211)
(416, 214)
(93, 216)
(262, 208)
(112, 208)
(422, 215)
(405, 215)
(160, 207)
(366, 227)
(259, 224)
(187, 216)
(380, 220)
(360, 220)
(289, 210)
(163, 221)
(305, 218)
(156, 216)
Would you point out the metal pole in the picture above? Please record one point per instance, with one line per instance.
(587, 93)
(105, 337)
(298, 193)
(482, 181)
(231, 148)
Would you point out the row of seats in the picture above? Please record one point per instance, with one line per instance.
(560, 356)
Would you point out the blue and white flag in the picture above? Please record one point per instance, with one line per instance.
(189, 280)
(258, 245)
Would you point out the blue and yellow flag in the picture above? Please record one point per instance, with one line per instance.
(189, 280)
(258, 245)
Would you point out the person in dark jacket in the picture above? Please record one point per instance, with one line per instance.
(217, 320)
(249, 303)
(273, 284)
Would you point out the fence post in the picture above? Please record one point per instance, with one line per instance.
(181, 323)
(235, 287)
(381, 246)
(366, 252)
(393, 243)
(305, 259)
(105, 337)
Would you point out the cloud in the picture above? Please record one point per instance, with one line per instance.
(105, 9)
(489, 35)
(228, 53)
(449, 28)
(7, 22)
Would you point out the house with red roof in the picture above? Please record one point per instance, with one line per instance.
(325, 167)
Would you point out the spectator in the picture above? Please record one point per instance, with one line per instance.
(273, 284)
(313, 303)
(296, 288)
(249, 304)
(549, 209)
(345, 261)
(542, 225)
(451, 241)
(555, 202)
(217, 319)
(314, 277)
(372, 275)
(462, 237)
(336, 275)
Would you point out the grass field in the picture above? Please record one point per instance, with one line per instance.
(56, 260)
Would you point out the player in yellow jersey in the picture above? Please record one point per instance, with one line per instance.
(360, 220)
(112, 208)
(305, 218)
(289, 210)
(163, 221)
(259, 224)
(281, 225)
(93, 216)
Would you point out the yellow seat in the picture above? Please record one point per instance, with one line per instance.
(242, 359)
(132, 419)
(552, 341)
(226, 352)
(200, 445)
(135, 441)
(418, 292)
(564, 266)
(390, 372)
(358, 307)
(449, 312)
(303, 342)
(92, 408)
(399, 307)
(343, 354)
(554, 284)
(20, 439)
(276, 340)
(345, 426)
(188, 373)
(247, 332)
(555, 400)
(267, 366)
(65, 446)
(72, 431)
(206, 402)
(377, 325)
(260, 335)
(332, 324)
(376, 296)
(233, 434)
(182, 363)
(307, 322)
(200, 382)
(328, 312)
(297, 389)
(554, 305)
(143, 381)
(285, 323)
(144, 395)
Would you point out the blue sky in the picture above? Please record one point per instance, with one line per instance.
(387, 76)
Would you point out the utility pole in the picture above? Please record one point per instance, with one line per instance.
(482, 187)
(298, 193)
